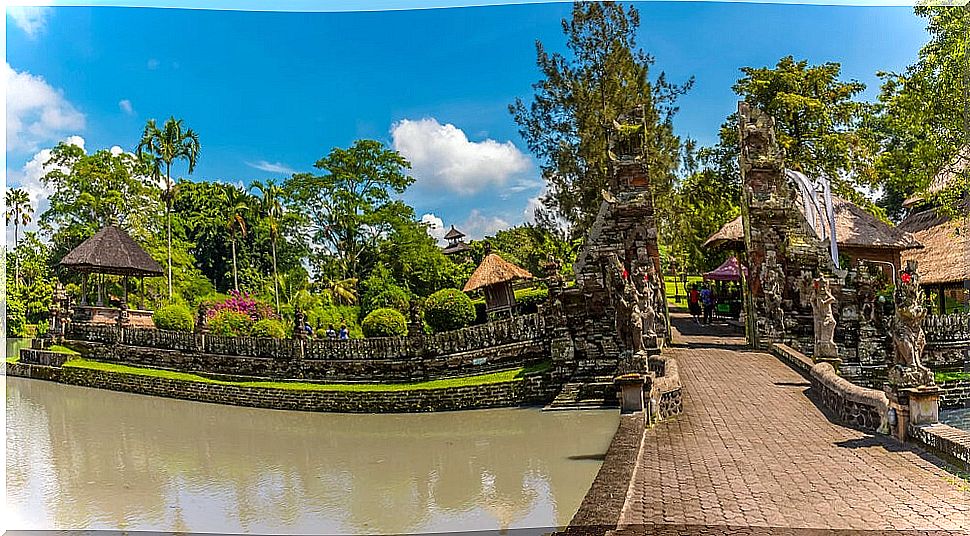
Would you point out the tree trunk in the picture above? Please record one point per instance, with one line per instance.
(16, 254)
(235, 279)
(168, 223)
(276, 284)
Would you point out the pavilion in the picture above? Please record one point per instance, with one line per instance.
(110, 252)
(859, 234)
(455, 242)
(495, 275)
(944, 261)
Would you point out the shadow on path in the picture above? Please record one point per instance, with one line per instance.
(717, 335)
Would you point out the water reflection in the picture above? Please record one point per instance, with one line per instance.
(83, 458)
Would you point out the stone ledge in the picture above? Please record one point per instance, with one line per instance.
(825, 374)
(952, 444)
(793, 358)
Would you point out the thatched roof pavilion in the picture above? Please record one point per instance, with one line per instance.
(860, 235)
(945, 257)
(111, 251)
(495, 276)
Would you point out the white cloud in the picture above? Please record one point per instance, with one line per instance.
(271, 167)
(436, 227)
(478, 225)
(152, 64)
(31, 19)
(443, 157)
(28, 178)
(125, 106)
(36, 112)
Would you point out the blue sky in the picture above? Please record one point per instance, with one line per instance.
(272, 92)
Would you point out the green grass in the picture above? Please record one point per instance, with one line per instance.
(62, 349)
(467, 381)
(13, 358)
(941, 377)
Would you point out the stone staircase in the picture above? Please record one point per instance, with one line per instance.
(600, 393)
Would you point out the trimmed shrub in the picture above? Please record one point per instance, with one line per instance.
(527, 301)
(173, 318)
(448, 309)
(229, 323)
(268, 328)
(385, 322)
(390, 296)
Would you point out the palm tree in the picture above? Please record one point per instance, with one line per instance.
(163, 147)
(271, 207)
(341, 291)
(19, 210)
(235, 202)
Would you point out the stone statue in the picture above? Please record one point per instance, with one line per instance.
(866, 294)
(758, 145)
(908, 337)
(299, 325)
(822, 301)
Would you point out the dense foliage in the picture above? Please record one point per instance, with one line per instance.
(268, 328)
(385, 323)
(230, 323)
(448, 309)
(174, 318)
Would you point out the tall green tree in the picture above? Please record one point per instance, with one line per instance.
(818, 121)
(235, 204)
(162, 147)
(19, 211)
(923, 120)
(350, 207)
(271, 207)
(90, 191)
(604, 75)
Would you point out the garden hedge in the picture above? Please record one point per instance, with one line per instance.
(448, 309)
(385, 322)
(174, 317)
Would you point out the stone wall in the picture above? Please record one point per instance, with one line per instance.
(951, 444)
(504, 344)
(529, 391)
(956, 394)
(866, 409)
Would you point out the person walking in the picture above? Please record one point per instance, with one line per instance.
(707, 299)
(694, 304)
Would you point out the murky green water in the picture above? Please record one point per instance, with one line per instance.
(84, 458)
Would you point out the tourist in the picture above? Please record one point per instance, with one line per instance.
(308, 329)
(694, 303)
(331, 333)
(344, 333)
(707, 299)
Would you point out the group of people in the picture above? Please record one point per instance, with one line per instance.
(333, 334)
(701, 300)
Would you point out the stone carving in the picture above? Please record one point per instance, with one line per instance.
(299, 325)
(772, 279)
(758, 145)
(908, 337)
(866, 294)
(822, 301)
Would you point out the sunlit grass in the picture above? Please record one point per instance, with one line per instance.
(941, 377)
(504, 376)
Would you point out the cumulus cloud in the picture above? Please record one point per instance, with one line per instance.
(31, 19)
(271, 167)
(125, 106)
(28, 178)
(36, 112)
(436, 227)
(478, 225)
(442, 156)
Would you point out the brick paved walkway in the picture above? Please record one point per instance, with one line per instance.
(753, 450)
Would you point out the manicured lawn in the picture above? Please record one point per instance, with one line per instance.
(941, 377)
(483, 379)
(62, 349)
(13, 358)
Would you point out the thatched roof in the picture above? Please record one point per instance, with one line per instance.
(959, 164)
(111, 251)
(454, 234)
(494, 270)
(945, 257)
(854, 227)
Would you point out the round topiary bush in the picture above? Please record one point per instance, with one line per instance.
(229, 323)
(173, 318)
(268, 328)
(385, 323)
(448, 309)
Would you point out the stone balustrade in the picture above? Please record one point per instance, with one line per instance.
(867, 409)
(951, 328)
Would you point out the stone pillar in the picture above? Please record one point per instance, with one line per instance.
(913, 406)
(630, 388)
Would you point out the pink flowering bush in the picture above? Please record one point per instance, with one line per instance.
(243, 303)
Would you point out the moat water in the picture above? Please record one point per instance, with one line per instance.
(81, 458)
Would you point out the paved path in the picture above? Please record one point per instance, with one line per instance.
(752, 450)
